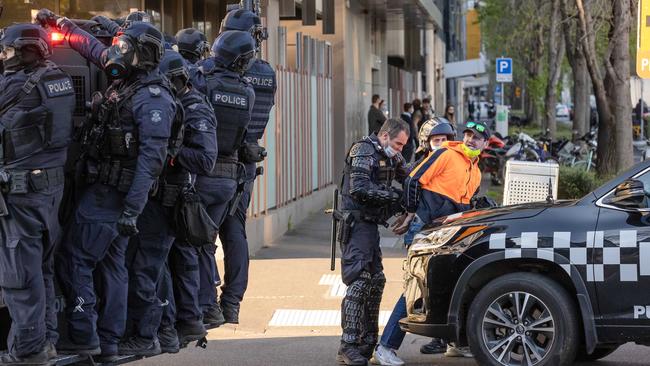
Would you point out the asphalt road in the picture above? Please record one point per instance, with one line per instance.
(289, 314)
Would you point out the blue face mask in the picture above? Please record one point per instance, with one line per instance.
(390, 152)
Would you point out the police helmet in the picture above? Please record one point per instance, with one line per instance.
(247, 21)
(30, 43)
(234, 50)
(137, 16)
(173, 66)
(443, 128)
(192, 44)
(148, 43)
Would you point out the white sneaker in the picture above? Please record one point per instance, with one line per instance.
(386, 357)
(453, 351)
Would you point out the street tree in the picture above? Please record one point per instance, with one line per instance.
(555, 58)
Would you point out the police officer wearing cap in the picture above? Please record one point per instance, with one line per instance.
(196, 155)
(125, 151)
(36, 104)
(233, 230)
(232, 98)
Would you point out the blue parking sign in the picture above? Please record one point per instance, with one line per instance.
(504, 70)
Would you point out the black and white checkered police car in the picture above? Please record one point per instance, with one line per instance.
(540, 283)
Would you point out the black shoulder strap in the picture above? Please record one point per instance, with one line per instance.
(27, 88)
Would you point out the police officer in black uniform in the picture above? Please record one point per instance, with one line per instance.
(196, 155)
(368, 199)
(36, 104)
(233, 99)
(233, 230)
(126, 148)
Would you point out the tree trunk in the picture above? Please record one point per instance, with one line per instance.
(618, 72)
(606, 150)
(555, 57)
(581, 91)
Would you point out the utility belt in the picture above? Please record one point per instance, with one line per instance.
(111, 174)
(347, 218)
(20, 181)
(227, 169)
(24, 181)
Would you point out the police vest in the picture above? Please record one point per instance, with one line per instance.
(117, 133)
(231, 98)
(40, 134)
(261, 76)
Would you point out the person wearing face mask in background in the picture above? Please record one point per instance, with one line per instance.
(124, 155)
(443, 184)
(368, 199)
(391, 339)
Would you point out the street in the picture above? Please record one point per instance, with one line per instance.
(291, 311)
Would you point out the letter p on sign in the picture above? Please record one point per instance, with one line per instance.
(643, 40)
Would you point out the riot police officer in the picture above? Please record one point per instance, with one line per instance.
(194, 47)
(196, 155)
(368, 199)
(125, 150)
(233, 99)
(36, 104)
(233, 230)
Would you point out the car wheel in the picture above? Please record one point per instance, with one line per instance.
(523, 319)
(597, 354)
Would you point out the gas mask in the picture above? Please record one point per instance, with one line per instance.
(120, 59)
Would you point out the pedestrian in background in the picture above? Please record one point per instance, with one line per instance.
(375, 117)
(427, 111)
(406, 116)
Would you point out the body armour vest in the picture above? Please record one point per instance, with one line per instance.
(117, 138)
(36, 131)
(261, 76)
(232, 99)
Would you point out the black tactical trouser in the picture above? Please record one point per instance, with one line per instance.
(27, 238)
(362, 272)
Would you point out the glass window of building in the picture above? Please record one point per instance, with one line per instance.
(21, 12)
(84, 9)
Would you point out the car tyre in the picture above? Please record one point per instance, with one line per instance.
(554, 341)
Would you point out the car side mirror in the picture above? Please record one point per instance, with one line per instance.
(630, 195)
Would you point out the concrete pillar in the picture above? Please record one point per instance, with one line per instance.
(339, 82)
(272, 24)
(430, 66)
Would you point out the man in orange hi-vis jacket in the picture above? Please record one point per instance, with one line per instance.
(445, 181)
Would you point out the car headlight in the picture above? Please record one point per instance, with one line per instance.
(434, 239)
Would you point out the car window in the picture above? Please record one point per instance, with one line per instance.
(645, 178)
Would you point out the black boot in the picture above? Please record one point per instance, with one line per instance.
(230, 312)
(349, 355)
(35, 359)
(366, 349)
(213, 317)
(168, 339)
(139, 346)
(69, 348)
(436, 345)
(190, 331)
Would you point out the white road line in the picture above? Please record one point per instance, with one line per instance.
(313, 318)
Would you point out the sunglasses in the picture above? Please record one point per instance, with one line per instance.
(477, 126)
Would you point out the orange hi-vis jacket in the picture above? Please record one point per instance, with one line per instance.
(446, 171)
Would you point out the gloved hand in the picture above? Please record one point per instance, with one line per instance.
(127, 223)
(401, 225)
(45, 17)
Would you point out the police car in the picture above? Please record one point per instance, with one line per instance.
(539, 283)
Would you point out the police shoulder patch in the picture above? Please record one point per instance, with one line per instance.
(202, 126)
(155, 116)
(362, 149)
(154, 91)
(58, 87)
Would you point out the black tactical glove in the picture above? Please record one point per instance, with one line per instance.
(381, 197)
(482, 202)
(127, 223)
(252, 153)
(45, 17)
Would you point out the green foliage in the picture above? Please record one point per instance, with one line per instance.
(575, 183)
(563, 130)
